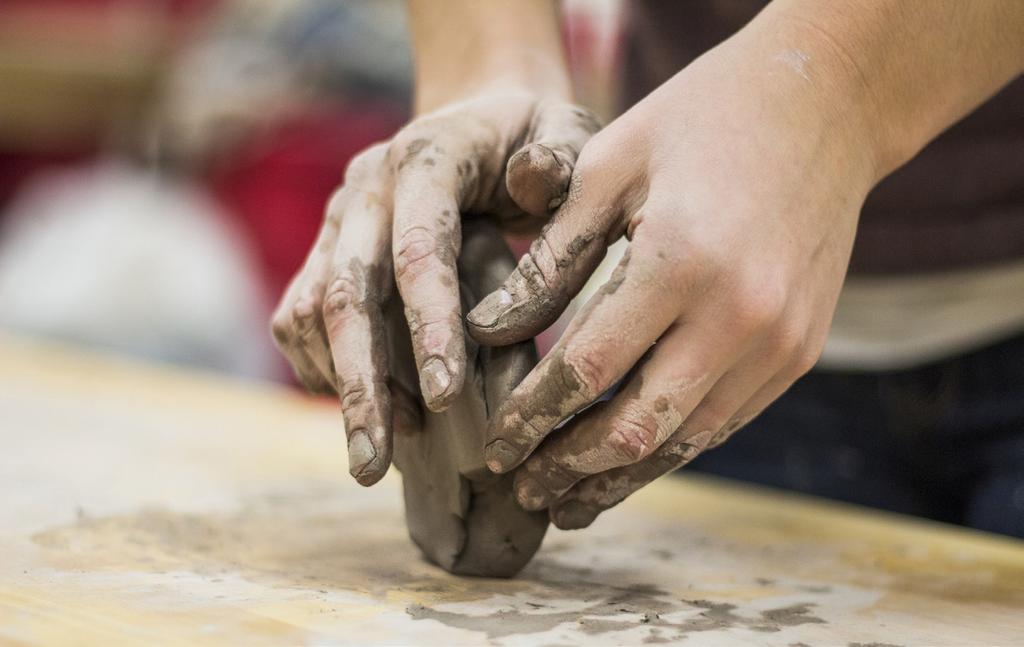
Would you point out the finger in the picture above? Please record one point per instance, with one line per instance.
(595, 494)
(723, 411)
(551, 273)
(592, 355)
(537, 176)
(292, 345)
(427, 236)
(308, 327)
(685, 365)
(296, 326)
(359, 285)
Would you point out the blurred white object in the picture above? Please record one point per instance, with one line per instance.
(118, 257)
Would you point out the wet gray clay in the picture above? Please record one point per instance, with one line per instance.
(464, 518)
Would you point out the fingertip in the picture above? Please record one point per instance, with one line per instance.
(537, 178)
(500, 456)
(370, 477)
(572, 515)
(366, 464)
(530, 494)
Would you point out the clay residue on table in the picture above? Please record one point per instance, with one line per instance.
(621, 609)
(463, 517)
(301, 540)
(311, 542)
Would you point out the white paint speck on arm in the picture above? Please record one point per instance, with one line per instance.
(796, 60)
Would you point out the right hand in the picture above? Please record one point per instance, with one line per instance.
(504, 155)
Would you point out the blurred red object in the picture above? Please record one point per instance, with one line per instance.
(278, 185)
(73, 69)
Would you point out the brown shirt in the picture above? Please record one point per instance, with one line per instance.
(958, 204)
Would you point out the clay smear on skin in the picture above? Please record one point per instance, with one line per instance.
(663, 416)
(553, 391)
(366, 407)
(534, 296)
(441, 373)
(607, 489)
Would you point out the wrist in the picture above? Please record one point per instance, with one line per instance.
(469, 47)
(819, 76)
(899, 73)
(506, 72)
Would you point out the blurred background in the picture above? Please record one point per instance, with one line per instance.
(164, 163)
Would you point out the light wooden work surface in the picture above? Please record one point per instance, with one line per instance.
(144, 505)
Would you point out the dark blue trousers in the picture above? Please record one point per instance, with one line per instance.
(943, 441)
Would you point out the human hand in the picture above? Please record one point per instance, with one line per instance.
(738, 184)
(505, 155)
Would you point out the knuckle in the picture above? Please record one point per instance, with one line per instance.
(728, 428)
(694, 262)
(713, 414)
(552, 471)
(344, 294)
(633, 437)
(303, 314)
(281, 327)
(411, 141)
(417, 248)
(539, 281)
(434, 331)
(600, 148)
(407, 136)
(584, 373)
(366, 164)
(335, 206)
(352, 391)
(758, 305)
(806, 358)
(790, 339)
(678, 452)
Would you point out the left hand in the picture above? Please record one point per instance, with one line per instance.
(738, 184)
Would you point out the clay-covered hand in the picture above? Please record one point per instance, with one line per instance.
(394, 220)
(738, 187)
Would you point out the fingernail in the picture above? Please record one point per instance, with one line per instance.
(530, 494)
(435, 379)
(543, 158)
(573, 515)
(491, 309)
(361, 453)
(500, 456)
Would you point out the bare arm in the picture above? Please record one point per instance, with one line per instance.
(911, 68)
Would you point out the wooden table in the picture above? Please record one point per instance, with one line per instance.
(146, 505)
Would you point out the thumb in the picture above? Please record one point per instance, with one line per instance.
(537, 176)
(552, 272)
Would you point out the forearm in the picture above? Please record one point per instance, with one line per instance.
(910, 69)
(461, 47)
